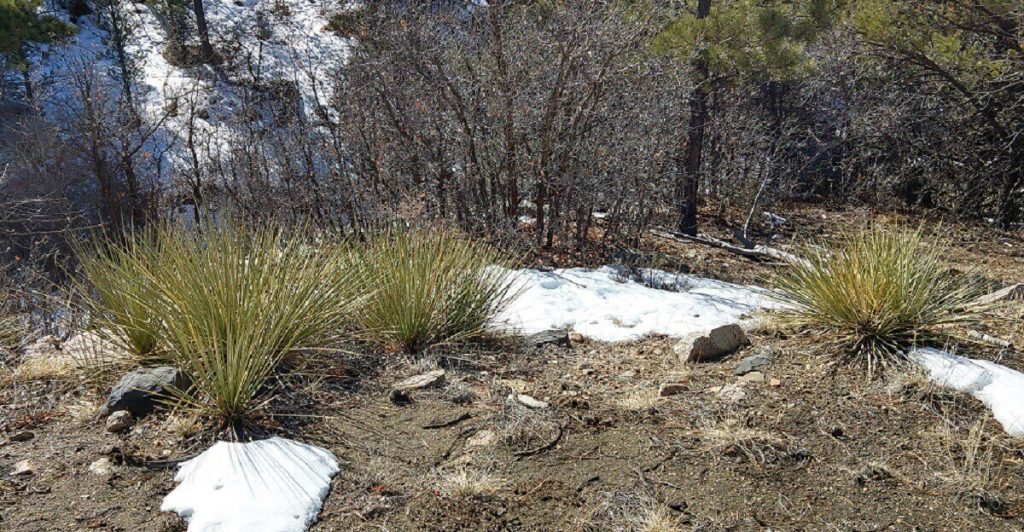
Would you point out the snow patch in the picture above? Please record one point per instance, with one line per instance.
(274, 485)
(999, 387)
(602, 305)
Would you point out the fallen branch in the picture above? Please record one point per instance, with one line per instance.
(990, 340)
(542, 448)
(757, 252)
(448, 423)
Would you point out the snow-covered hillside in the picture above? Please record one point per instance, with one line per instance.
(262, 42)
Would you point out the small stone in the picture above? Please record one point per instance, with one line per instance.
(22, 436)
(430, 379)
(119, 421)
(733, 393)
(774, 382)
(400, 397)
(24, 468)
(628, 374)
(102, 467)
(712, 344)
(559, 337)
(670, 389)
(530, 402)
(755, 362)
(482, 438)
(753, 376)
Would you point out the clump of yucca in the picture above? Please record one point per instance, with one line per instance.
(227, 306)
(431, 286)
(880, 293)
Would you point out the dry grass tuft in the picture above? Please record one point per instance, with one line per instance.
(626, 511)
(732, 438)
(973, 469)
(467, 483)
(640, 400)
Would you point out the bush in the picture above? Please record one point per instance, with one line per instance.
(880, 293)
(231, 304)
(432, 286)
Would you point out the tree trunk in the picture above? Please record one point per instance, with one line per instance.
(27, 79)
(690, 174)
(204, 33)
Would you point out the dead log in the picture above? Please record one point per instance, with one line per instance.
(757, 252)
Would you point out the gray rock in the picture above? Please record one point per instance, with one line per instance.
(756, 362)
(120, 420)
(558, 337)
(430, 379)
(753, 376)
(139, 391)
(709, 345)
(732, 393)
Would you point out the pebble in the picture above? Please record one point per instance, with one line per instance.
(753, 376)
(670, 389)
(102, 467)
(530, 402)
(24, 468)
(22, 436)
(732, 392)
(119, 421)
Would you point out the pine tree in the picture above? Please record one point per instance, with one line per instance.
(21, 25)
(975, 51)
(732, 40)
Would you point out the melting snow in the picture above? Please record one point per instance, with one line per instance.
(602, 305)
(274, 485)
(999, 387)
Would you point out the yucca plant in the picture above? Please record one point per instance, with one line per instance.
(879, 293)
(232, 304)
(432, 286)
(119, 291)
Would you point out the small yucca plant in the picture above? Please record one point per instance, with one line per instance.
(231, 303)
(431, 287)
(880, 293)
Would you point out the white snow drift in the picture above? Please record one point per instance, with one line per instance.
(274, 485)
(999, 387)
(602, 305)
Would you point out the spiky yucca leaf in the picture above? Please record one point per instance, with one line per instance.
(881, 292)
(432, 286)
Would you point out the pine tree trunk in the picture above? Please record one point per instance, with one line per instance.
(204, 33)
(690, 174)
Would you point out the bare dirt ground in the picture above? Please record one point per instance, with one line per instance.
(803, 446)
